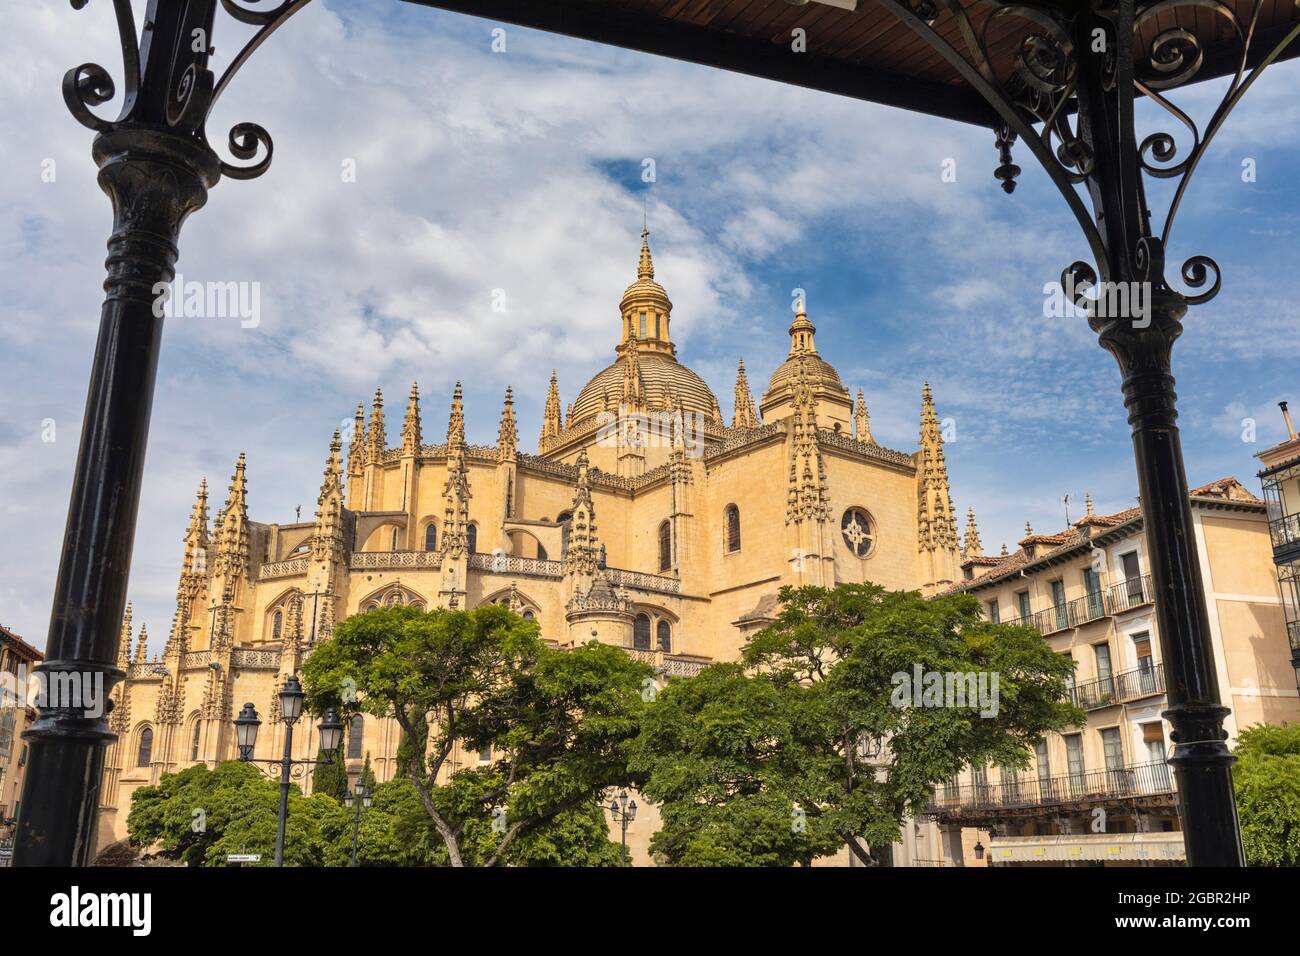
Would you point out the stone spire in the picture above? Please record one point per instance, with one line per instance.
(633, 397)
(551, 416)
(645, 267)
(746, 415)
(195, 559)
(124, 641)
(806, 493)
(936, 522)
(142, 648)
(327, 537)
(376, 440)
(582, 553)
(455, 492)
(938, 527)
(973, 549)
(232, 530)
(508, 431)
(862, 421)
(411, 425)
(357, 444)
(646, 308)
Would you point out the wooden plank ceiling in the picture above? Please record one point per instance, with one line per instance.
(865, 53)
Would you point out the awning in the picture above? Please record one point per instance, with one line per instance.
(1087, 847)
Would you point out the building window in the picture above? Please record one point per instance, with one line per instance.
(145, 751)
(643, 330)
(858, 532)
(471, 538)
(541, 553)
(485, 755)
(394, 547)
(993, 612)
(1022, 599)
(664, 632)
(194, 740)
(1092, 587)
(1153, 738)
(1074, 761)
(1113, 752)
(641, 632)
(1102, 654)
(431, 537)
(356, 736)
(529, 616)
(733, 528)
(1146, 663)
(1058, 604)
(277, 625)
(665, 546)
(1043, 765)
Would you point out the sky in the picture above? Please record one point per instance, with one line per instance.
(516, 176)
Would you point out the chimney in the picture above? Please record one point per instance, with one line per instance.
(1286, 416)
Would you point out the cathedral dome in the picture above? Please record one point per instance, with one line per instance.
(656, 381)
(665, 381)
(803, 356)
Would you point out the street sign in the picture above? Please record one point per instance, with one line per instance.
(243, 858)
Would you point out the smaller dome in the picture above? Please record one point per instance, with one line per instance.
(645, 290)
(803, 356)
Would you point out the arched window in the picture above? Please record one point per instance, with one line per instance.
(374, 606)
(143, 755)
(194, 741)
(665, 635)
(641, 632)
(565, 520)
(431, 537)
(471, 539)
(665, 546)
(733, 528)
(277, 625)
(356, 730)
(529, 616)
(541, 553)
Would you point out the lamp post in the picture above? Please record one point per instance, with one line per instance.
(356, 801)
(624, 812)
(246, 727)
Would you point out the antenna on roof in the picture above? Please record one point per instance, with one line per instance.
(1065, 500)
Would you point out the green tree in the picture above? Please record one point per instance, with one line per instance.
(1266, 778)
(330, 778)
(198, 816)
(814, 741)
(559, 723)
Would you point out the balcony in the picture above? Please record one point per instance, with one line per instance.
(1293, 635)
(1119, 688)
(1116, 599)
(1027, 791)
(1285, 532)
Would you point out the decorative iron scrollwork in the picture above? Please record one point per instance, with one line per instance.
(1036, 98)
(180, 96)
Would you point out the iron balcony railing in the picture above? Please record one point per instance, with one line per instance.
(1285, 531)
(1293, 635)
(1116, 599)
(1026, 790)
(1119, 688)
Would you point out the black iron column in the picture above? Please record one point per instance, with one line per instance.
(1141, 340)
(156, 167)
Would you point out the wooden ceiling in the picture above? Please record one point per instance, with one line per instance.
(865, 53)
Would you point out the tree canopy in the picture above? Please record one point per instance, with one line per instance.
(823, 735)
(1266, 778)
(559, 723)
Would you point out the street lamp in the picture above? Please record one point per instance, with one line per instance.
(625, 813)
(355, 802)
(246, 727)
(979, 850)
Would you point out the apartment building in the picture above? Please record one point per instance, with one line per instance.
(17, 658)
(1281, 481)
(1102, 793)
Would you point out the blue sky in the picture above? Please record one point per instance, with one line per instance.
(521, 171)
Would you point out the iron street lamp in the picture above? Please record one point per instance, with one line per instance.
(624, 812)
(246, 727)
(356, 801)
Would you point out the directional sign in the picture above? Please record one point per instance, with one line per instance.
(243, 858)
